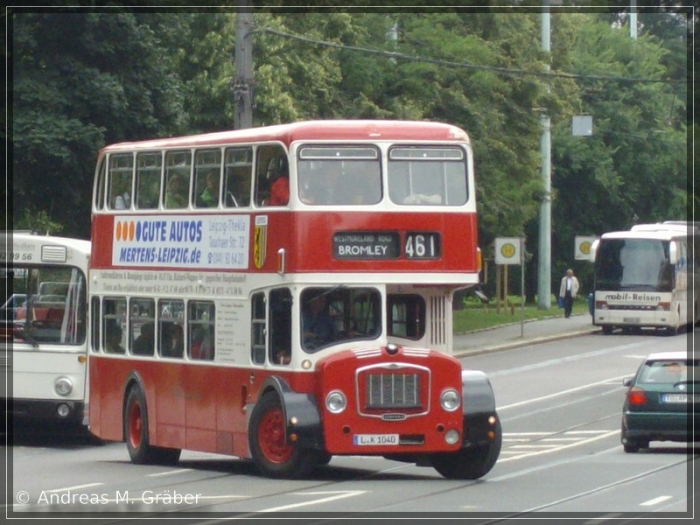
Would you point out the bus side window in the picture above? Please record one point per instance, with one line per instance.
(148, 173)
(142, 326)
(238, 176)
(280, 326)
(121, 174)
(258, 327)
(406, 316)
(112, 325)
(100, 185)
(207, 178)
(178, 168)
(272, 176)
(201, 321)
(171, 335)
(95, 324)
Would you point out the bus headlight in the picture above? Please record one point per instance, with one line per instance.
(63, 386)
(450, 400)
(336, 402)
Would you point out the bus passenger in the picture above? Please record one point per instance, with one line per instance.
(210, 196)
(317, 325)
(202, 346)
(278, 178)
(143, 344)
(176, 194)
(114, 339)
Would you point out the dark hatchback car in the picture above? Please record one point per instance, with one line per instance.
(661, 401)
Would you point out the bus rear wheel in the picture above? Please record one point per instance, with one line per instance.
(272, 454)
(136, 432)
(469, 463)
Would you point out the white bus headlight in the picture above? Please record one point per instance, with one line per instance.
(336, 402)
(63, 386)
(450, 400)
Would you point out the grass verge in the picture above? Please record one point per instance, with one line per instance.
(476, 316)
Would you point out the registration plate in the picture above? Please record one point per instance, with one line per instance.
(631, 320)
(680, 398)
(375, 439)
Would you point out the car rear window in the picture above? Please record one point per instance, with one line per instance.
(669, 371)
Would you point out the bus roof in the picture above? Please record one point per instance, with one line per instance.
(10, 237)
(335, 130)
(654, 234)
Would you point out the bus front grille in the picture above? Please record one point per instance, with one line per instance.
(392, 391)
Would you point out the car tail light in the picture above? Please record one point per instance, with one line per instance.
(636, 396)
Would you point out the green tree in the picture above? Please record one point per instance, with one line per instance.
(81, 80)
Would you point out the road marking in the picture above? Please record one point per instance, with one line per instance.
(655, 501)
(169, 472)
(335, 495)
(563, 447)
(558, 394)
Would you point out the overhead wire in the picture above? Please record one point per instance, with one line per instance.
(464, 65)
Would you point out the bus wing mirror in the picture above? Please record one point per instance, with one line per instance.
(594, 249)
(673, 253)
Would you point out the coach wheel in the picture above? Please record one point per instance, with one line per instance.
(607, 329)
(272, 454)
(136, 432)
(469, 463)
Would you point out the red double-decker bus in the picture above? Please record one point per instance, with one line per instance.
(284, 294)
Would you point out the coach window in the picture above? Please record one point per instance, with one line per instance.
(113, 324)
(238, 177)
(406, 316)
(171, 334)
(280, 326)
(207, 178)
(201, 323)
(178, 167)
(142, 326)
(121, 173)
(258, 327)
(148, 170)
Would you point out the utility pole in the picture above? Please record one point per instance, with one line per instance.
(633, 19)
(243, 62)
(544, 271)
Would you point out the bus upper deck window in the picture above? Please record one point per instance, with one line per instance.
(339, 175)
(427, 176)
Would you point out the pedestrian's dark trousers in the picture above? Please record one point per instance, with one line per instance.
(568, 303)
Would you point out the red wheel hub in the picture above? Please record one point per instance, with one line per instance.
(271, 437)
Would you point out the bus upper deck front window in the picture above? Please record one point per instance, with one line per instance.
(335, 315)
(428, 176)
(339, 175)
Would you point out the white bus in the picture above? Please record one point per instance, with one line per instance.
(644, 278)
(43, 326)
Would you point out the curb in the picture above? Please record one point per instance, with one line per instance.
(464, 352)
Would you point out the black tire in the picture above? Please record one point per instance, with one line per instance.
(469, 463)
(272, 454)
(607, 329)
(136, 434)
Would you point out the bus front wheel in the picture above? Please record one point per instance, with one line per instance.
(138, 444)
(272, 454)
(469, 463)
